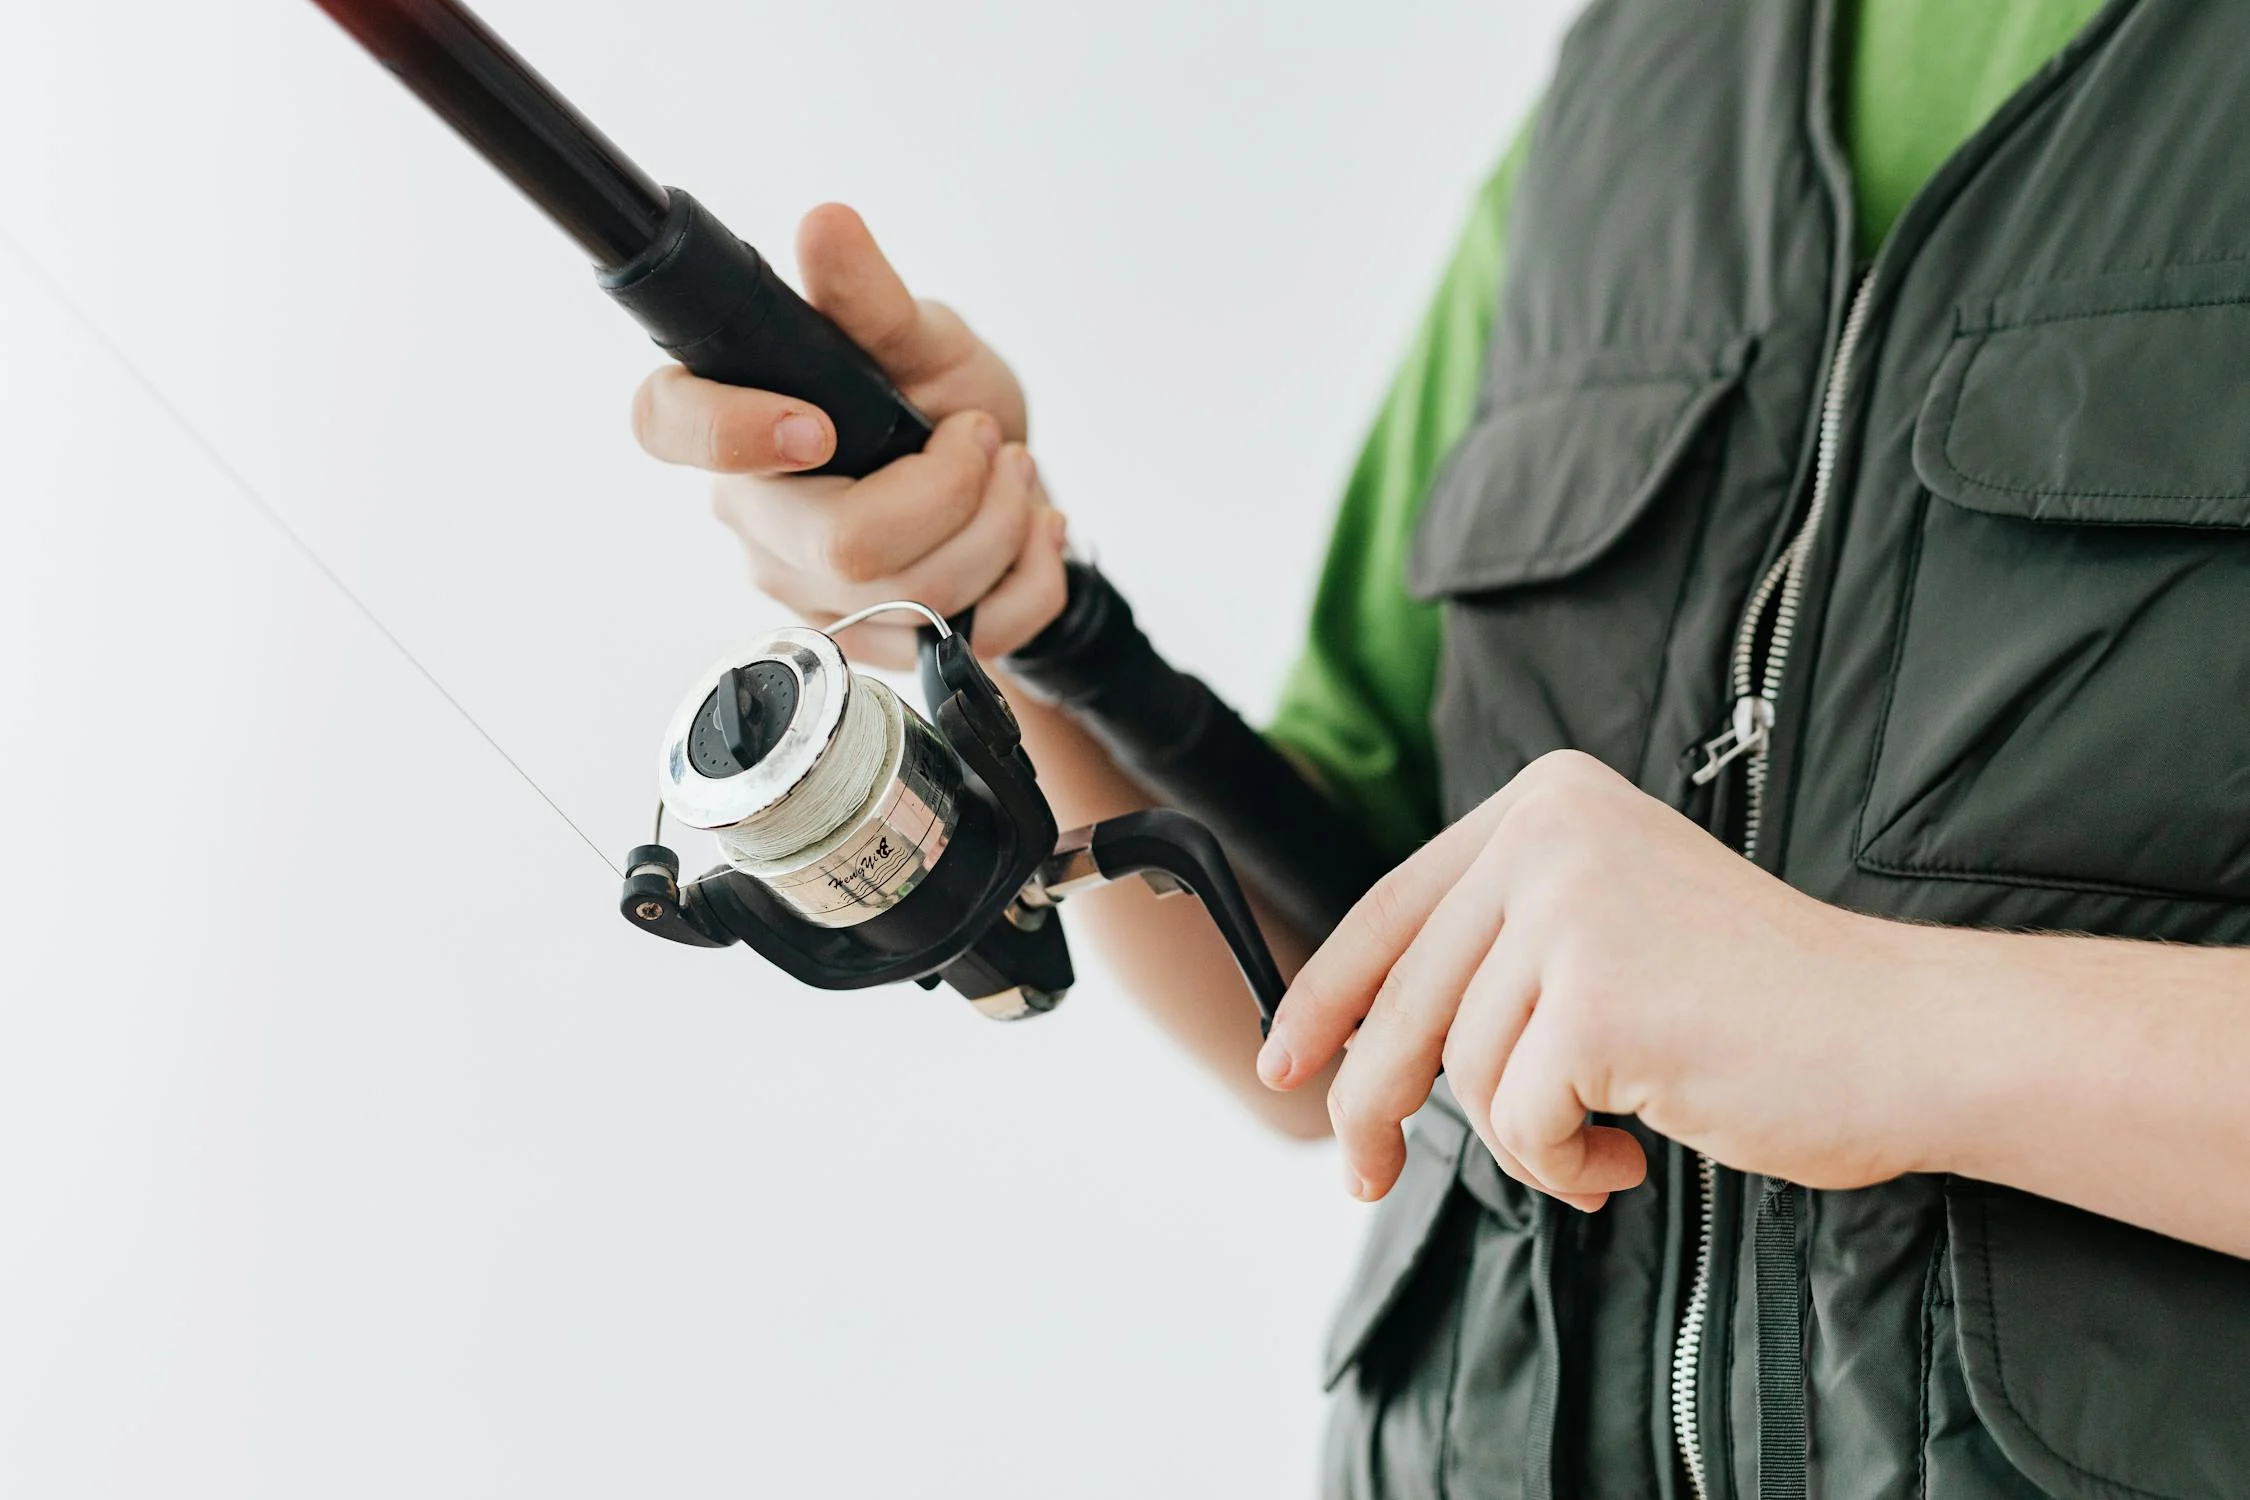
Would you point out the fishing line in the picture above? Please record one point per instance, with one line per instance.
(280, 523)
(832, 793)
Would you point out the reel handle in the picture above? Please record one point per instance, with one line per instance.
(1172, 851)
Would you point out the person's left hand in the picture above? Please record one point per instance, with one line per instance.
(1575, 946)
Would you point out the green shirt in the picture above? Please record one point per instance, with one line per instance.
(1923, 76)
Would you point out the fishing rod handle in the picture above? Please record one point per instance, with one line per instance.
(718, 307)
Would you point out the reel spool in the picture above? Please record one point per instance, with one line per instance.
(865, 844)
(817, 782)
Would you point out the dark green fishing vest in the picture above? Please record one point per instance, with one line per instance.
(2016, 695)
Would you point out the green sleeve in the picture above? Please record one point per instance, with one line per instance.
(1356, 707)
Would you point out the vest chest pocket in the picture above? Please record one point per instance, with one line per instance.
(2070, 699)
(1558, 534)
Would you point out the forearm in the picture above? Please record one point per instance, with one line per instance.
(1166, 952)
(2110, 1075)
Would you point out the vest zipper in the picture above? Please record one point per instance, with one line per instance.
(1772, 616)
(1780, 593)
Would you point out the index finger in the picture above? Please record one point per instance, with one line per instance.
(1395, 1058)
(1337, 986)
(684, 419)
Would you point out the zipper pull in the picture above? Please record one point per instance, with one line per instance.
(1752, 726)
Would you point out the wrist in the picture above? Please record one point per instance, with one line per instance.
(1943, 1054)
(2006, 1032)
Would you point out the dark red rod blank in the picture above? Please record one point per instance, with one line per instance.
(514, 119)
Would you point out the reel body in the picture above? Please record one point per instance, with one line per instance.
(867, 845)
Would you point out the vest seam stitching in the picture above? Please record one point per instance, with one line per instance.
(1929, 1363)
(1960, 384)
(2122, 310)
(1903, 608)
(2097, 523)
(2008, 1395)
(1509, 398)
(2037, 880)
(2141, 268)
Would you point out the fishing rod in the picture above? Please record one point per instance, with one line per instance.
(865, 843)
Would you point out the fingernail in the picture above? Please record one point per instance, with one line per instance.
(1058, 528)
(1274, 1063)
(988, 436)
(800, 439)
(1026, 469)
(1355, 1184)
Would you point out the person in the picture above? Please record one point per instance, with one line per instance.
(1787, 622)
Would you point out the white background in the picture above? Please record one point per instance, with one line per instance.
(350, 1145)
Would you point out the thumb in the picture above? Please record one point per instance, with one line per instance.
(848, 278)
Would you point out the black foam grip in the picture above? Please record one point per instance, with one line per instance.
(714, 304)
(1181, 741)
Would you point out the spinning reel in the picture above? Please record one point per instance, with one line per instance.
(865, 844)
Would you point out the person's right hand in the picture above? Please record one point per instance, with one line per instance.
(964, 522)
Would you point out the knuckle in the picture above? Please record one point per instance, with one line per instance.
(644, 416)
(1539, 1157)
(1573, 768)
(1014, 493)
(1510, 1134)
(733, 442)
(851, 554)
(1317, 998)
(1389, 915)
(1508, 1121)
(941, 590)
(946, 584)
(1348, 1111)
(710, 440)
(962, 486)
(1050, 592)
(1559, 775)
(1568, 881)
(1547, 814)
(1397, 988)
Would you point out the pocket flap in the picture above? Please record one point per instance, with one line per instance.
(2119, 400)
(1403, 1226)
(1559, 464)
(2105, 1361)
